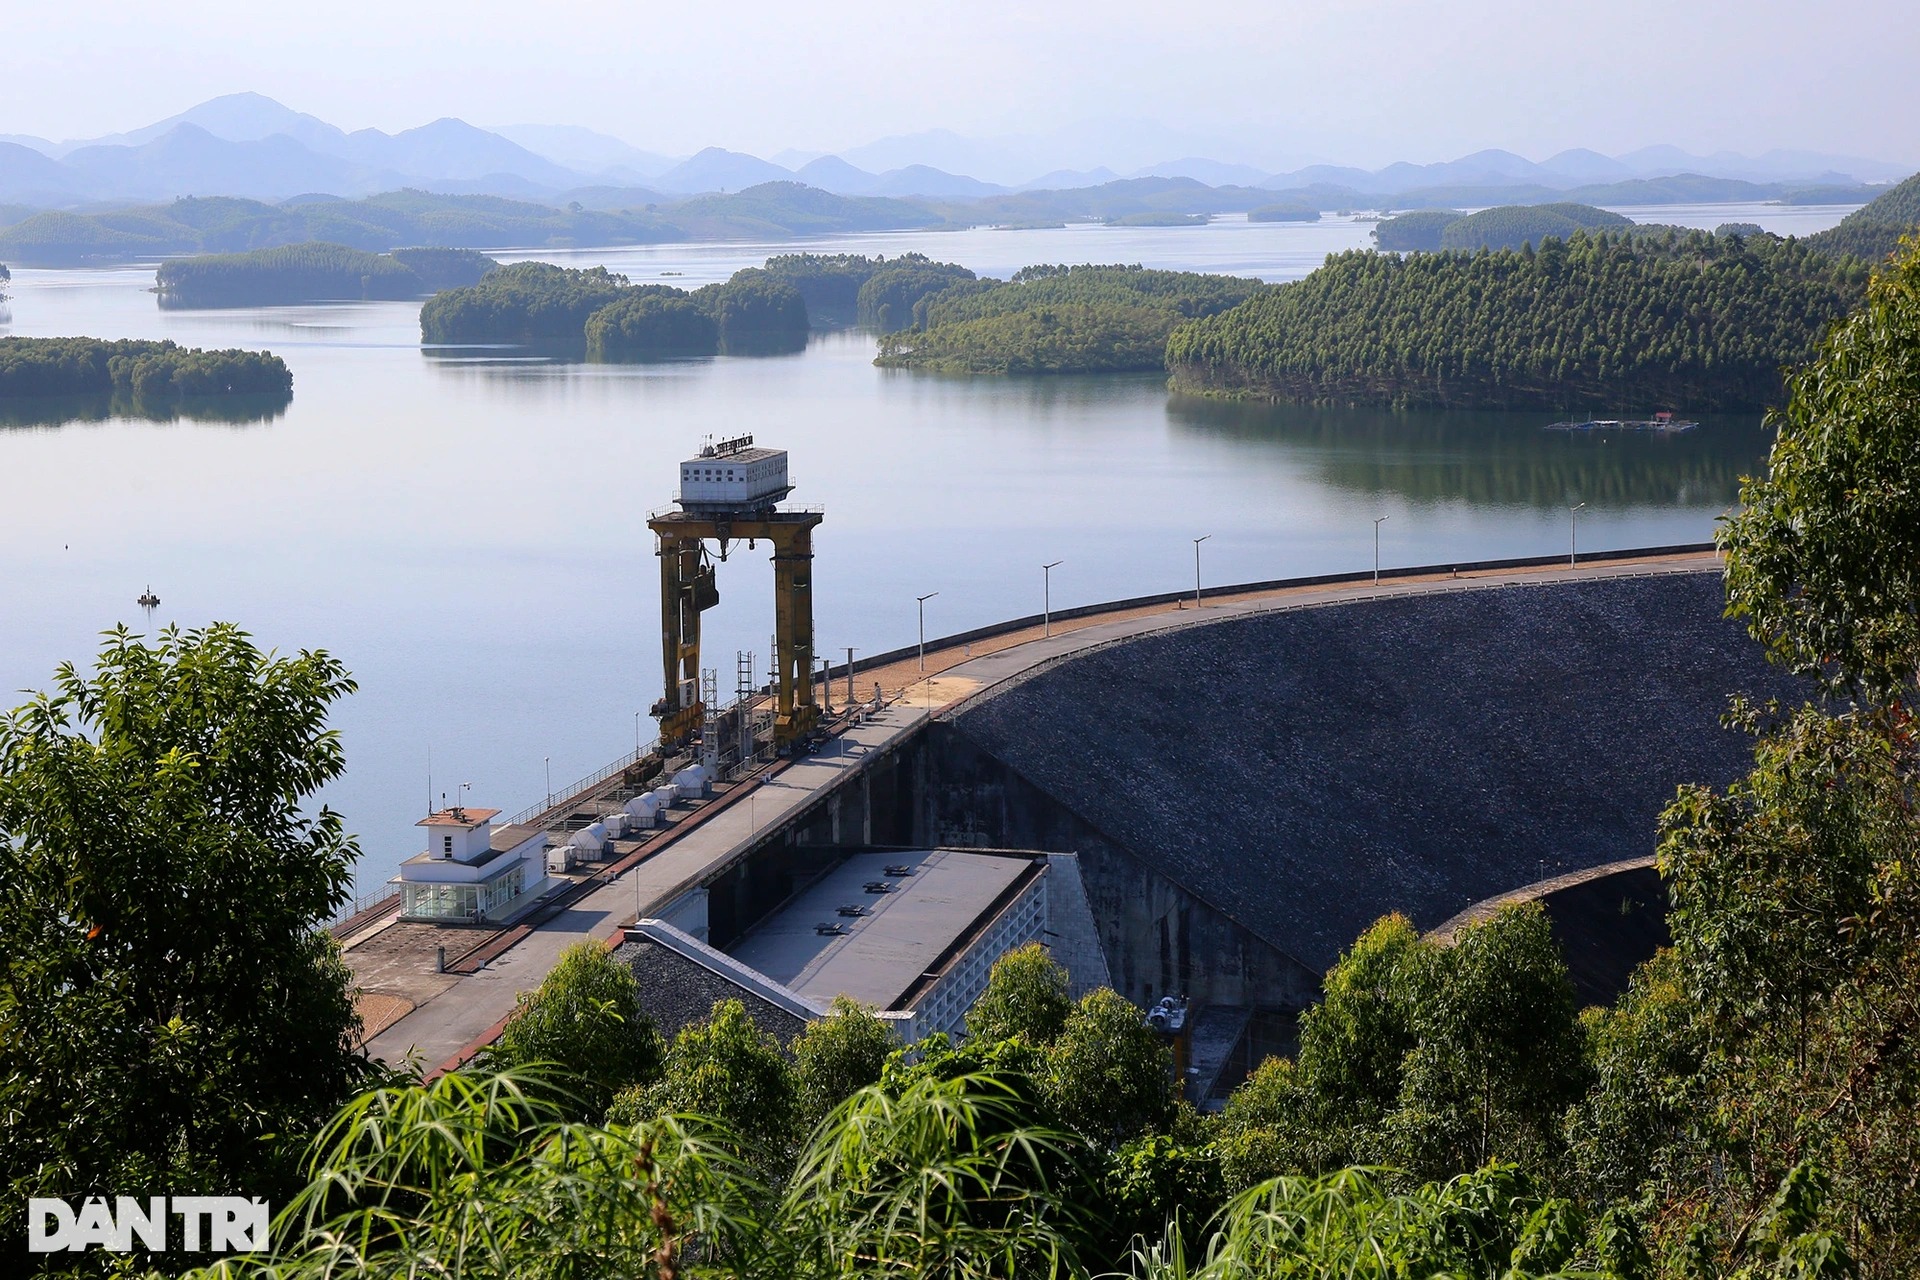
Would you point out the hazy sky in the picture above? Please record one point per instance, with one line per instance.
(1363, 83)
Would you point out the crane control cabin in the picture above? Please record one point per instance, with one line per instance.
(728, 494)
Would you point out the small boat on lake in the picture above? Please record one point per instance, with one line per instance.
(1658, 422)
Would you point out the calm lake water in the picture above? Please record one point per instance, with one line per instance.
(467, 531)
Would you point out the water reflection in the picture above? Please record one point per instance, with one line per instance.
(57, 411)
(1491, 459)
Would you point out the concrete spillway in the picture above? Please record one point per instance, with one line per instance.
(1247, 796)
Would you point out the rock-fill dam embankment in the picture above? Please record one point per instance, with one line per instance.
(1247, 796)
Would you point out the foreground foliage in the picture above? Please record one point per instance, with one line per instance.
(1595, 322)
(173, 1013)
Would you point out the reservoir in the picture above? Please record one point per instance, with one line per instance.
(466, 529)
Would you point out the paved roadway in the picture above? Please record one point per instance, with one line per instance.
(447, 1022)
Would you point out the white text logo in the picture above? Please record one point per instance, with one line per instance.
(222, 1224)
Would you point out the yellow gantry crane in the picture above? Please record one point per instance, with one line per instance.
(729, 494)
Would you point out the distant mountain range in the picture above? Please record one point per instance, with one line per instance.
(251, 146)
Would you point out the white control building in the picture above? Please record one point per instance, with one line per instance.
(734, 475)
(470, 872)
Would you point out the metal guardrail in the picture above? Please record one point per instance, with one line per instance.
(371, 898)
(573, 789)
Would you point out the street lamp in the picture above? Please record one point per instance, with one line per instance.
(1046, 595)
(1573, 547)
(1377, 521)
(1196, 567)
(549, 760)
(923, 626)
(636, 734)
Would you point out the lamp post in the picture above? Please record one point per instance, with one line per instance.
(1046, 596)
(1377, 521)
(1573, 546)
(549, 782)
(1196, 567)
(636, 734)
(922, 600)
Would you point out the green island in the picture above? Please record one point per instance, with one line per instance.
(1503, 227)
(596, 313)
(315, 272)
(1059, 319)
(1600, 321)
(1284, 213)
(1158, 220)
(854, 288)
(48, 381)
(81, 366)
(1875, 229)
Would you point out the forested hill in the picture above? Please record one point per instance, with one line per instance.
(1873, 231)
(1058, 319)
(1597, 322)
(383, 222)
(1502, 227)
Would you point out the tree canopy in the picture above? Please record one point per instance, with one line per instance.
(1058, 319)
(1823, 553)
(173, 1013)
(593, 312)
(1874, 230)
(314, 272)
(1596, 322)
(585, 1019)
(145, 370)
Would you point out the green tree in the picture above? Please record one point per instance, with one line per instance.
(173, 1013)
(651, 322)
(1499, 1055)
(1026, 999)
(729, 1070)
(585, 1018)
(1823, 556)
(837, 1056)
(1109, 1075)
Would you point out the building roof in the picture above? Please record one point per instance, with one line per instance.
(465, 819)
(753, 453)
(905, 932)
(507, 839)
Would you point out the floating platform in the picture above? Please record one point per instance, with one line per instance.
(1659, 422)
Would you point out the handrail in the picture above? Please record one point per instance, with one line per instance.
(573, 789)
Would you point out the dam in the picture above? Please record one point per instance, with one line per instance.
(1241, 787)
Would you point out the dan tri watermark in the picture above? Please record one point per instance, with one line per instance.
(218, 1224)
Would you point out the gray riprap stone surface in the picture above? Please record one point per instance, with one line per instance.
(1309, 771)
(677, 992)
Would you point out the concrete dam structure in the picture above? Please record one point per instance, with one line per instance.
(1225, 797)
(1246, 795)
